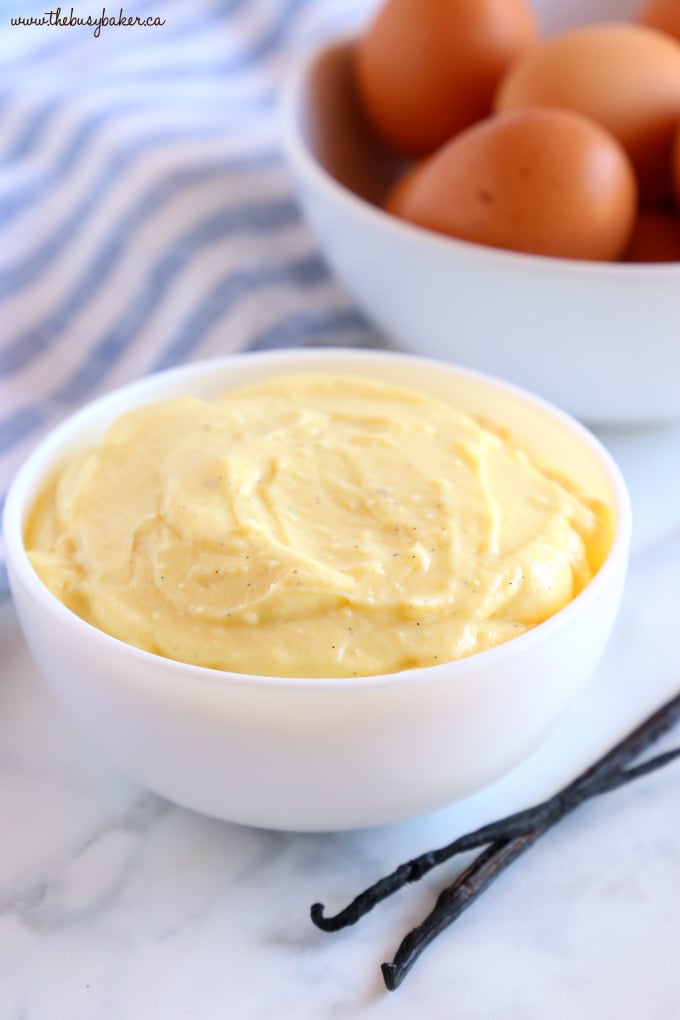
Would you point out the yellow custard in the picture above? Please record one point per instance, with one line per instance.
(313, 525)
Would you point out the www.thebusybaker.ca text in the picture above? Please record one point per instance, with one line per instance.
(57, 18)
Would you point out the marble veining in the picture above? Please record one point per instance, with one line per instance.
(116, 905)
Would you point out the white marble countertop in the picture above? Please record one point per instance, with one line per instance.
(115, 904)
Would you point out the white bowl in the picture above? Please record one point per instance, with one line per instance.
(322, 754)
(598, 339)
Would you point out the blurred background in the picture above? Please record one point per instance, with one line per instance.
(146, 216)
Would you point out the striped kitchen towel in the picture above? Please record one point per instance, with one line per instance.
(146, 215)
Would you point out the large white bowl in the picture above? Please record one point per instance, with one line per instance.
(322, 754)
(601, 340)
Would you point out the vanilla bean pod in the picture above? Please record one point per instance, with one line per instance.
(453, 900)
(508, 838)
(488, 865)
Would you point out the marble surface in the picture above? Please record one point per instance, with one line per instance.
(115, 904)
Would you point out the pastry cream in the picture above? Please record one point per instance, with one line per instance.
(313, 525)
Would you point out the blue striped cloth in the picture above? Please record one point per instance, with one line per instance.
(146, 215)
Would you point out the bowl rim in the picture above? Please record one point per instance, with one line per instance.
(41, 460)
(299, 155)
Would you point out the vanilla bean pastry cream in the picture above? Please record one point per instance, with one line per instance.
(313, 525)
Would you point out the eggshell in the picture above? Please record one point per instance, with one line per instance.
(545, 181)
(425, 69)
(626, 77)
(656, 238)
(663, 15)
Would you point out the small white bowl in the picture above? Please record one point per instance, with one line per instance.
(321, 754)
(598, 339)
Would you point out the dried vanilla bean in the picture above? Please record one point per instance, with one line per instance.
(504, 840)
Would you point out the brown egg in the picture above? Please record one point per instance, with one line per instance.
(425, 69)
(626, 77)
(545, 181)
(663, 15)
(675, 165)
(656, 238)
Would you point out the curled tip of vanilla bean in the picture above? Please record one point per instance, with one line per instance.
(324, 923)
